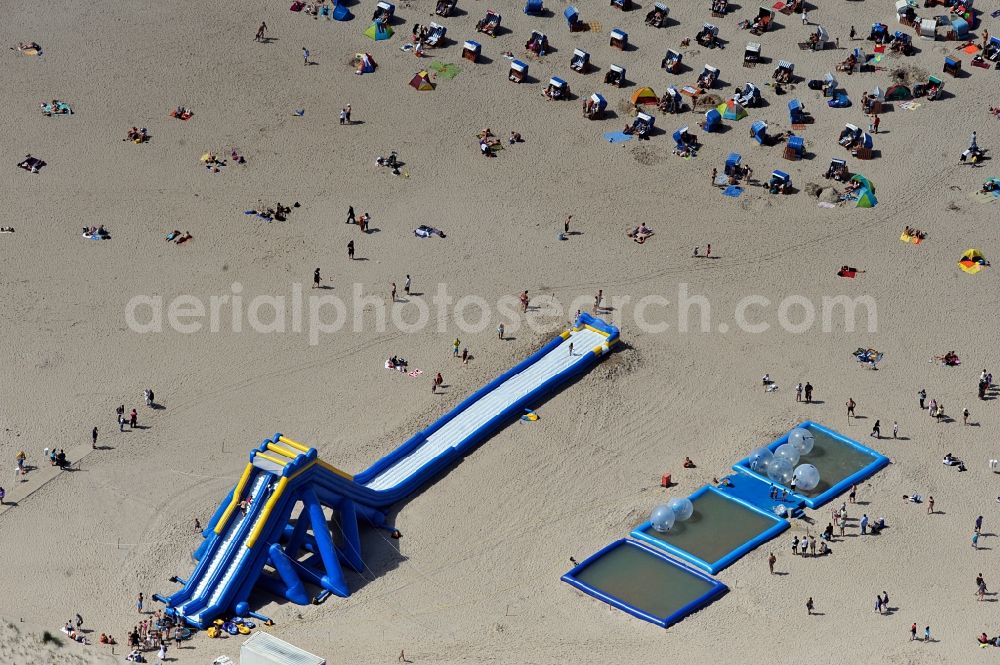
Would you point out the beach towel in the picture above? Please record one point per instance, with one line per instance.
(733, 191)
(415, 373)
(880, 48)
(850, 274)
(910, 106)
(826, 204)
(446, 70)
(617, 137)
(297, 6)
(908, 238)
(971, 49)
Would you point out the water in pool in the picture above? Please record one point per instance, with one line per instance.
(717, 527)
(835, 460)
(644, 580)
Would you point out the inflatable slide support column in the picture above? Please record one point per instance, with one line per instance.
(352, 537)
(334, 578)
(297, 536)
(295, 590)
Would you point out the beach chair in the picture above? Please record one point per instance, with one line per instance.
(643, 125)
(795, 148)
(538, 43)
(488, 24)
(748, 95)
(758, 132)
(435, 36)
(684, 140)
(518, 71)
(623, 5)
(927, 29)
(557, 89)
(879, 33)
(992, 52)
(959, 29)
(708, 78)
(445, 7)
(732, 163)
(952, 66)
(784, 71)
(796, 114)
(838, 170)
(720, 8)
(595, 106)
(849, 135)
(829, 85)
(779, 183)
(671, 101)
(934, 88)
(471, 50)
(573, 21)
(619, 39)
(712, 122)
(384, 9)
(672, 61)
(761, 24)
(708, 35)
(580, 61)
(533, 7)
(615, 76)
(751, 54)
(657, 16)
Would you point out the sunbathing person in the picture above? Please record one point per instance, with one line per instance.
(688, 464)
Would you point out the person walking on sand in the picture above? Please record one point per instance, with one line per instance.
(798, 392)
(877, 429)
(500, 331)
(524, 301)
(853, 495)
(351, 219)
(771, 559)
(316, 278)
(260, 32)
(850, 408)
(853, 33)
(930, 505)
(350, 250)
(809, 393)
(708, 250)
(927, 633)
(133, 418)
(975, 540)
(138, 603)
(392, 291)
(979, 524)
(965, 416)
(913, 631)
(3, 493)
(895, 429)
(305, 56)
(93, 439)
(715, 174)
(597, 300)
(566, 224)
(875, 123)
(455, 346)
(347, 114)
(922, 395)
(809, 606)
(465, 356)
(406, 286)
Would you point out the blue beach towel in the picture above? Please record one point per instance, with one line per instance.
(617, 137)
(733, 190)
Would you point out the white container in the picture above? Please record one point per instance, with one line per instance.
(266, 649)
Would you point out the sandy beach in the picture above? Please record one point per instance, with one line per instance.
(475, 577)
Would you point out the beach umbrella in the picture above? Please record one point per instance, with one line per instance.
(732, 110)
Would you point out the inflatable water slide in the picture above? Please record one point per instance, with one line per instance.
(252, 539)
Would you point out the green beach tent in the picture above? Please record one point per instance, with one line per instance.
(379, 31)
(866, 199)
(731, 110)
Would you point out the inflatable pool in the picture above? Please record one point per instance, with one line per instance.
(842, 462)
(644, 582)
(721, 531)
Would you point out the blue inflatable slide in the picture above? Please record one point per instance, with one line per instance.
(252, 528)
